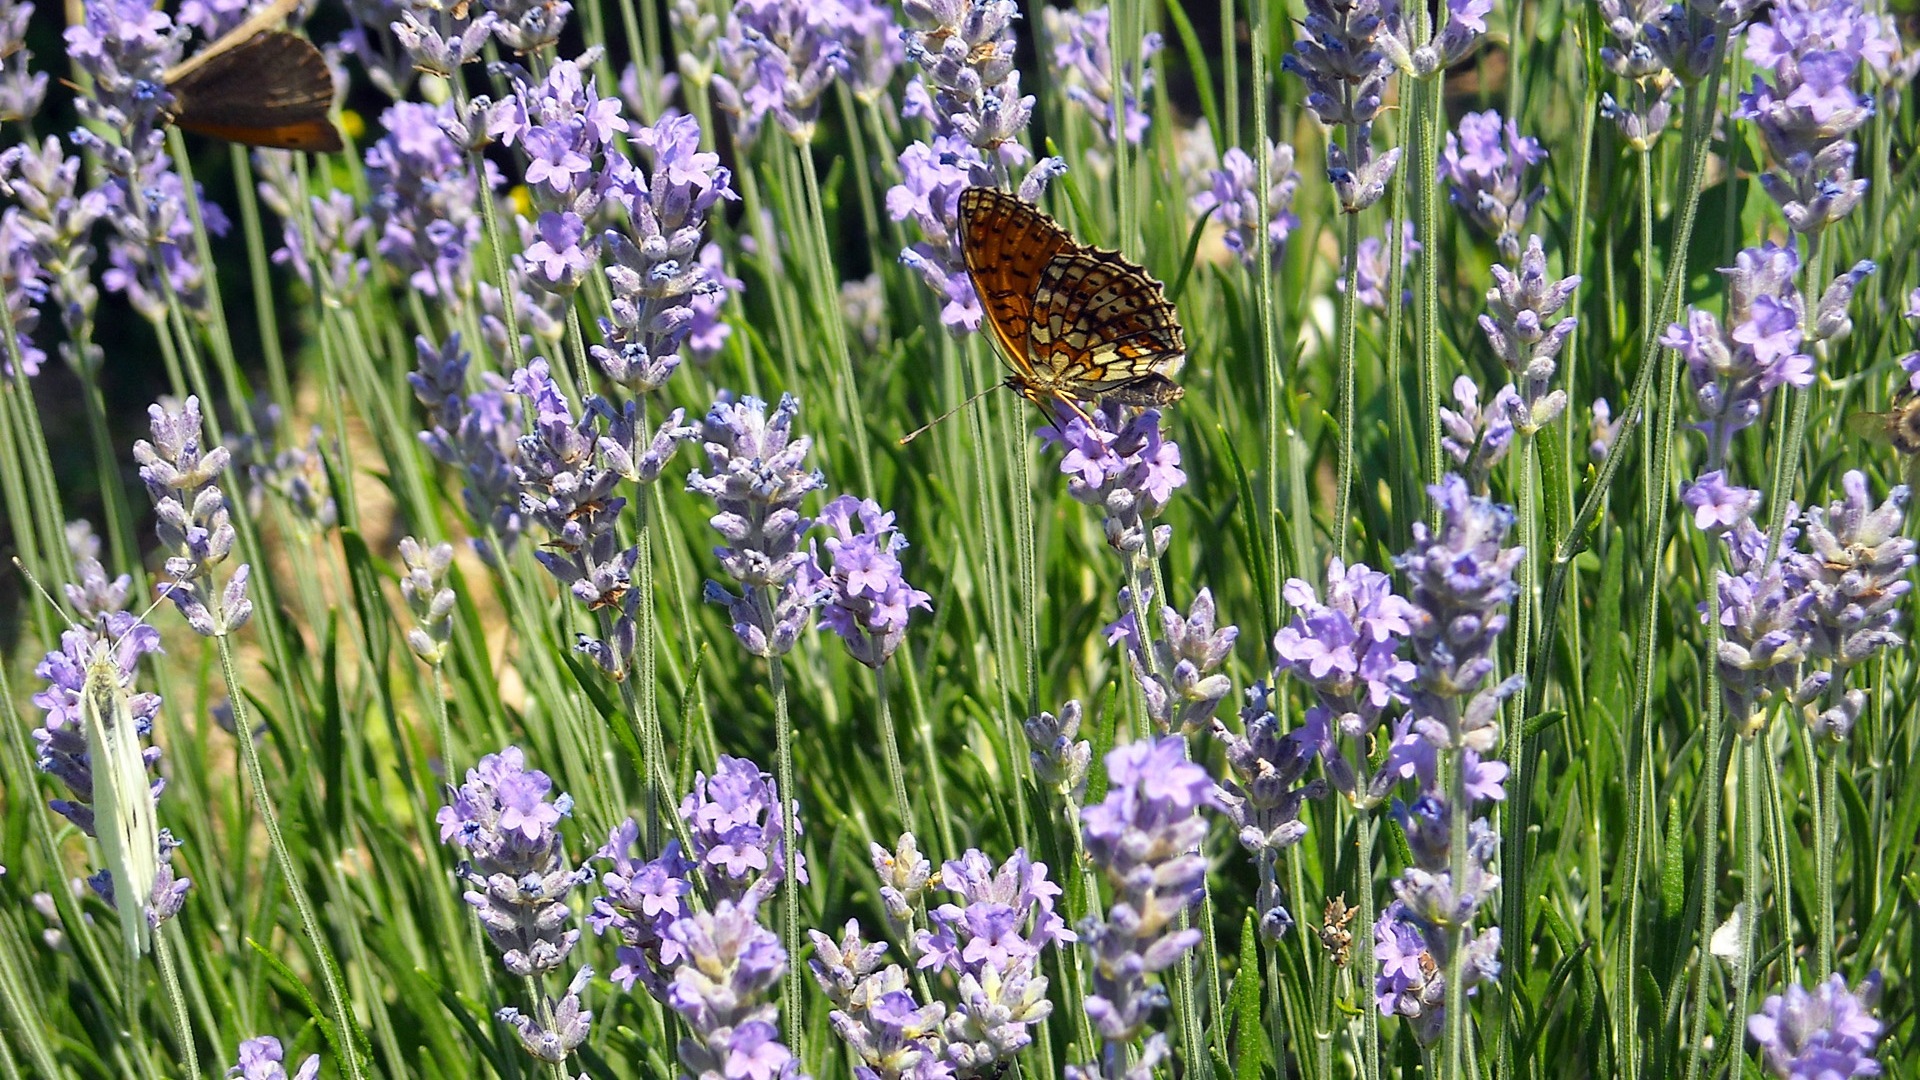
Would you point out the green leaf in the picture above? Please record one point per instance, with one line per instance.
(362, 1049)
(1249, 1035)
(1202, 71)
(1186, 262)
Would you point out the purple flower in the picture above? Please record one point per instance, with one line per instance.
(1484, 167)
(660, 273)
(423, 586)
(969, 91)
(528, 26)
(722, 990)
(778, 58)
(643, 899)
(1082, 56)
(1059, 759)
(21, 289)
(1829, 1034)
(1460, 581)
(1412, 955)
(1638, 52)
(1145, 838)
(567, 130)
(567, 473)
(438, 43)
(1478, 440)
(1346, 651)
(1855, 569)
(501, 818)
(570, 1022)
(1263, 794)
(1518, 307)
(1716, 504)
(1344, 55)
(868, 597)
(1602, 430)
(52, 227)
(424, 200)
(734, 818)
(21, 88)
(1370, 268)
(193, 525)
(478, 434)
(1126, 467)
(1763, 606)
(873, 46)
(260, 1059)
(1810, 109)
(1733, 370)
(1233, 193)
(757, 481)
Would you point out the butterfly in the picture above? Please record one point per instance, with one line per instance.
(257, 85)
(1075, 323)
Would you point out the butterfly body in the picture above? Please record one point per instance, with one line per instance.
(258, 86)
(1898, 427)
(1075, 323)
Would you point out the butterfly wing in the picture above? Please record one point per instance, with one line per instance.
(1102, 326)
(1006, 243)
(273, 89)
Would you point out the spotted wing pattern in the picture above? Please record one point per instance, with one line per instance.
(1076, 323)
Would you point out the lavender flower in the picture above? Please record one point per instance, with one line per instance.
(778, 58)
(1059, 759)
(735, 820)
(722, 991)
(992, 942)
(873, 45)
(21, 88)
(260, 1059)
(875, 1013)
(868, 598)
(1126, 467)
(510, 833)
(1764, 635)
(904, 874)
(91, 742)
(21, 289)
(1519, 306)
(296, 474)
(1735, 369)
(1412, 979)
(424, 200)
(567, 473)
(193, 524)
(1082, 54)
(1856, 572)
(567, 130)
(707, 332)
(1347, 652)
(439, 43)
(1636, 55)
(1602, 430)
(477, 434)
(969, 91)
(758, 482)
(1484, 166)
(1829, 1032)
(1233, 193)
(1809, 111)
(1263, 794)
(1179, 680)
(1370, 272)
(863, 307)
(57, 217)
(423, 587)
(643, 899)
(1145, 838)
(528, 26)
(1343, 57)
(1476, 439)
(125, 46)
(339, 233)
(1460, 581)
(571, 1022)
(658, 272)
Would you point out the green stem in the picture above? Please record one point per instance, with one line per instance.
(1349, 313)
(1825, 837)
(176, 1000)
(283, 858)
(890, 747)
(790, 854)
(1364, 826)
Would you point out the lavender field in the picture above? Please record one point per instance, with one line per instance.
(1433, 603)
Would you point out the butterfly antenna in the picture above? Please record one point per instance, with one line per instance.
(42, 590)
(923, 428)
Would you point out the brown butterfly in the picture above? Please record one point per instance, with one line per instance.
(1076, 323)
(257, 85)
